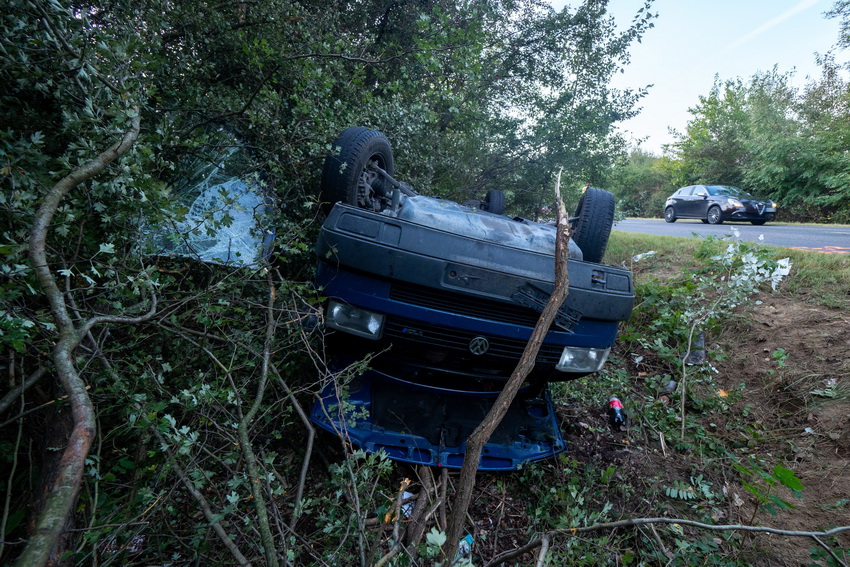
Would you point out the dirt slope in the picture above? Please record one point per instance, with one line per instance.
(796, 408)
(802, 408)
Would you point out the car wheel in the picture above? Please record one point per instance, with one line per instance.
(592, 225)
(347, 176)
(704, 221)
(669, 214)
(758, 222)
(713, 216)
(494, 202)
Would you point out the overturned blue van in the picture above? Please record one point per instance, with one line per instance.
(444, 297)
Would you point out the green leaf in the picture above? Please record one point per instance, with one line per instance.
(788, 478)
(435, 537)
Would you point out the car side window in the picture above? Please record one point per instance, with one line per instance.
(700, 192)
(685, 191)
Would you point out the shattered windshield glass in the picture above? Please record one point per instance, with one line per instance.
(225, 214)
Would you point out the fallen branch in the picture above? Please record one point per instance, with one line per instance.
(479, 437)
(530, 546)
(418, 518)
(396, 539)
(544, 549)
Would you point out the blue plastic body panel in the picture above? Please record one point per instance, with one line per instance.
(429, 426)
(419, 248)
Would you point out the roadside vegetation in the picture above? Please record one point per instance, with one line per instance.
(154, 407)
(716, 441)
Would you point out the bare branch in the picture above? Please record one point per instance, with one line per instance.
(16, 392)
(7, 501)
(479, 437)
(100, 319)
(417, 519)
(245, 438)
(500, 559)
(45, 213)
(544, 549)
(205, 507)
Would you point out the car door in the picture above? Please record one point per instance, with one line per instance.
(681, 201)
(699, 202)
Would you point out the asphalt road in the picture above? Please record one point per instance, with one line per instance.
(829, 239)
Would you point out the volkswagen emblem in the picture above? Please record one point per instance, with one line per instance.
(479, 345)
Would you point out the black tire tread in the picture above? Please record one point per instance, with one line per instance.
(495, 200)
(719, 217)
(344, 163)
(594, 218)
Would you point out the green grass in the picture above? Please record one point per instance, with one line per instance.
(816, 277)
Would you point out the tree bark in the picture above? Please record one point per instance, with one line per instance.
(479, 437)
(66, 488)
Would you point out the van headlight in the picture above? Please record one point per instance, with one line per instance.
(578, 359)
(354, 320)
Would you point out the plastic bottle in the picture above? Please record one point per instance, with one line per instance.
(640, 257)
(616, 415)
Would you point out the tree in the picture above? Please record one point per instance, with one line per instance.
(824, 107)
(713, 144)
(774, 140)
(841, 10)
(641, 184)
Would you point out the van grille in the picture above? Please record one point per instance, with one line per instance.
(470, 306)
(449, 338)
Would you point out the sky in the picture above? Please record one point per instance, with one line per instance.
(694, 40)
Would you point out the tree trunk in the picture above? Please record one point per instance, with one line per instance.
(60, 501)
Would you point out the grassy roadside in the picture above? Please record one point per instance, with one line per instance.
(818, 278)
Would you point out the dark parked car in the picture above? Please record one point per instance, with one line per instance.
(713, 204)
(446, 297)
